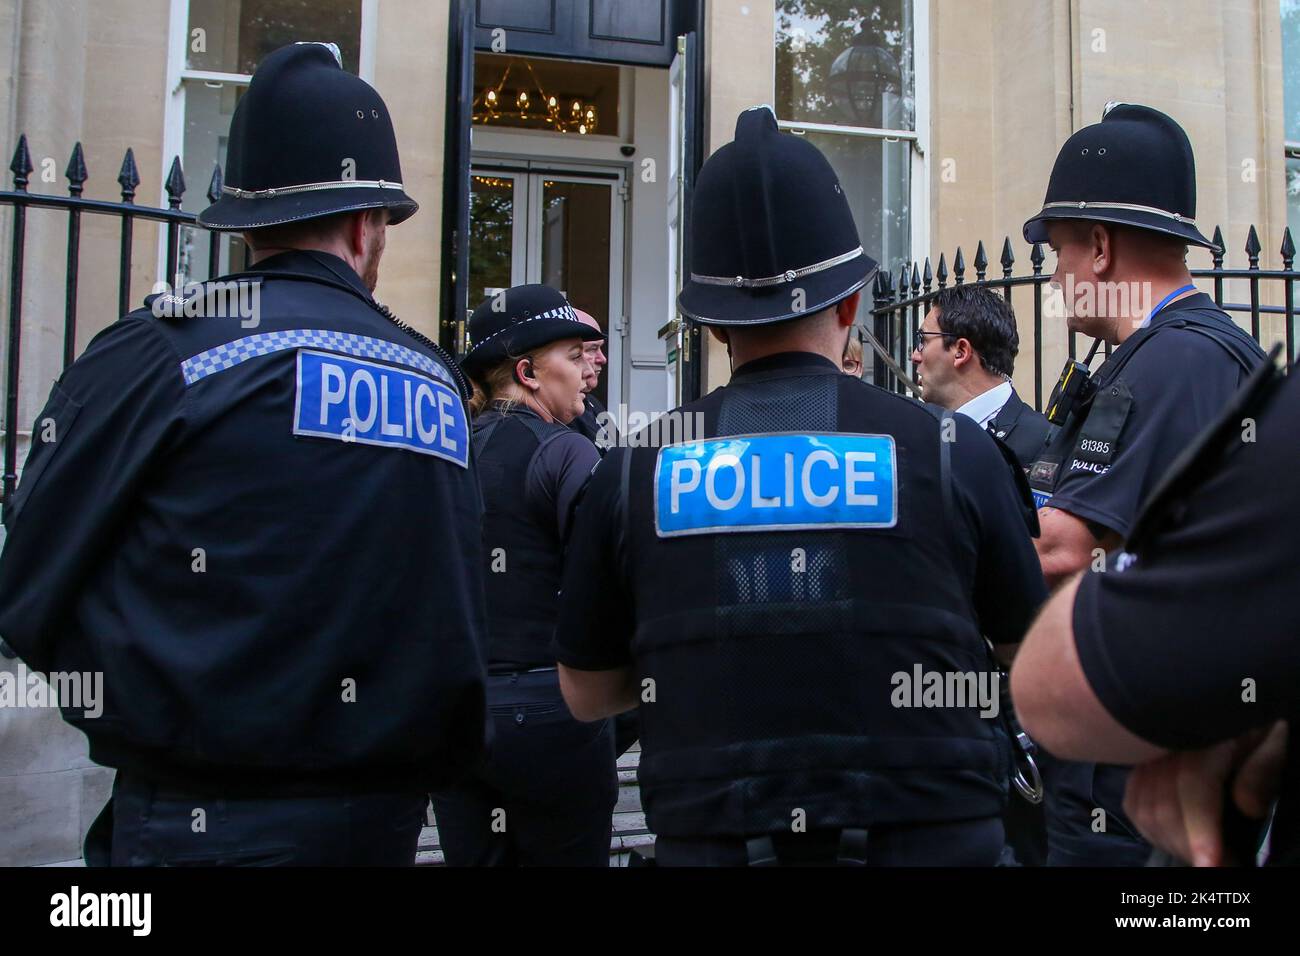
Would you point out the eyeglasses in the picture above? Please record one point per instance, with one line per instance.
(918, 340)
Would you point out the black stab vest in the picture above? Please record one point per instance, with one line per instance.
(1047, 471)
(772, 687)
(521, 545)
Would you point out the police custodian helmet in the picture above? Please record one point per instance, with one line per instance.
(772, 236)
(1134, 168)
(308, 139)
(518, 320)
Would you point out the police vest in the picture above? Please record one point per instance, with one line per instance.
(522, 547)
(1093, 430)
(787, 569)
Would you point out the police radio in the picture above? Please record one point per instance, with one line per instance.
(1074, 387)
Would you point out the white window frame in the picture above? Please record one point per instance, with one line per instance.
(919, 178)
(178, 74)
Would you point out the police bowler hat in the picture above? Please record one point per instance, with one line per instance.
(308, 139)
(519, 320)
(1134, 168)
(772, 236)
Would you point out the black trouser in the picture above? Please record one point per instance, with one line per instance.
(959, 843)
(545, 795)
(1086, 825)
(147, 825)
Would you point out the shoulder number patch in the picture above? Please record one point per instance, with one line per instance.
(357, 401)
(776, 482)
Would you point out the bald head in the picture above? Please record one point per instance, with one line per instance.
(593, 351)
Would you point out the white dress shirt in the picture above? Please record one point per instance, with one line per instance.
(985, 406)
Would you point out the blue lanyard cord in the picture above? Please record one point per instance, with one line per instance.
(1169, 298)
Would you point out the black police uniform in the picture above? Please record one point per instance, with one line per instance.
(1023, 430)
(776, 586)
(263, 528)
(1153, 395)
(545, 795)
(207, 532)
(1142, 407)
(590, 426)
(788, 672)
(1206, 560)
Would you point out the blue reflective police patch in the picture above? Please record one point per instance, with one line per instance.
(1041, 498)
(357, 401)
(776, 482)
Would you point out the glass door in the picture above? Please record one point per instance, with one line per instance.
(563, 230)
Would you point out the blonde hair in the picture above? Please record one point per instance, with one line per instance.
(853, 350)
(492, 384)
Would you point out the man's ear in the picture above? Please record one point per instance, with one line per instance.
(358, 229)
(962, 353)
(1103, 248)
(846, 310)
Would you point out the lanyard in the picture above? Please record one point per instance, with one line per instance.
(1167, 299)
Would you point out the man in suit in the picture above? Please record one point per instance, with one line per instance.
(964, 353)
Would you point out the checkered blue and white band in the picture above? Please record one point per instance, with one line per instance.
(559, 312)
(223, 357)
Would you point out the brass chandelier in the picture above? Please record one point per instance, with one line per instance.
(523, 106)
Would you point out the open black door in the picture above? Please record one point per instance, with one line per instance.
(455, 197)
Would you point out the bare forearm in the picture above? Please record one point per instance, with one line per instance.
(595, 695)
(1066, 545)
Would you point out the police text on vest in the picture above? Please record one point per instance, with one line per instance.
(353, 400)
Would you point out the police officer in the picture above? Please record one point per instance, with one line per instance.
(1120, 213)
(600, 430)
(964, 352)
(261, 524)
(776, 595)
(546, 794)
(1094, 680)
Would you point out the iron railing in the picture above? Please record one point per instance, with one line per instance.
(901, 301)
(74, 204)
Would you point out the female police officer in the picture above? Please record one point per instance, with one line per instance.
(546, 793)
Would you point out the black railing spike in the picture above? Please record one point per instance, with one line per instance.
(214, 185)
(958, 268)
(76, 173)
(1217, 253)
(1288, 249)
(129, 177)
(928, 275)
(981, 262)
(916, 280)
(942, 274)
(902, 282)
(1253, 247)
(21, 164)
(1037, 257)
(1008, 258)
(175, 184)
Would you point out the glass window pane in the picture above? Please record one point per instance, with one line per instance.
(876, 178)
(553, 95)
(1293, 195)
(208, 110)
(575, 247)
(1291, 67)
(236, 34)
(491, 235)
(845, 63)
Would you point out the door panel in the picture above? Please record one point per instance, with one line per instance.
(574, 248)
(561, 230)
